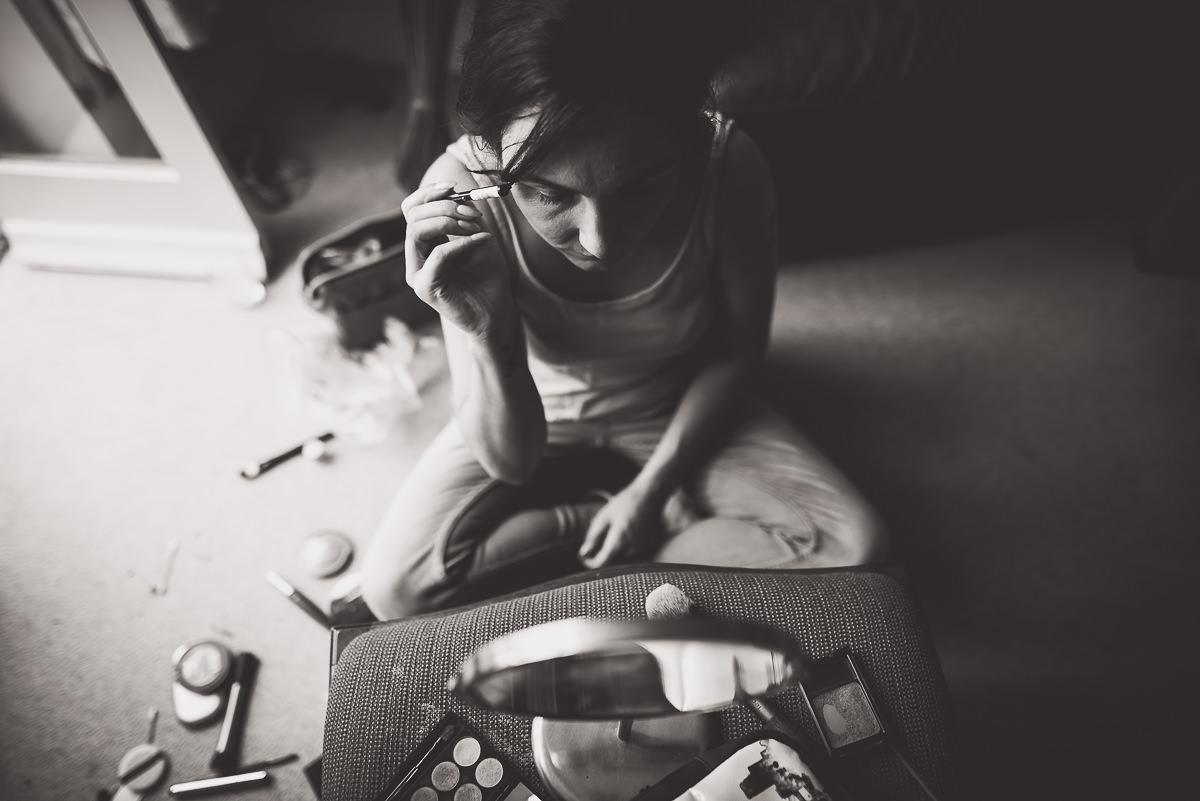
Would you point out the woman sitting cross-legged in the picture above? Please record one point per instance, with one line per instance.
(603, 321)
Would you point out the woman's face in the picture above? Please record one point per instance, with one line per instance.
(600, 193)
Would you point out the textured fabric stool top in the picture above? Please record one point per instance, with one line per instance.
(389, 686)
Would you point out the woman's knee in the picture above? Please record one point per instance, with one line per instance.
(406, 559)
(422, 565)
(857, 538)
(390, 587)
(380, 594)
(403, 562)
(390, 602)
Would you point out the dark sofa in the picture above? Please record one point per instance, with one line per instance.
(895, 122)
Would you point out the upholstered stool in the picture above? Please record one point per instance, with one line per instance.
(388, 685)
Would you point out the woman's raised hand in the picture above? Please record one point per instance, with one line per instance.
(454, 265)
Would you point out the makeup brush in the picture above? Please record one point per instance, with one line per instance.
(313, 449)
(668, 601)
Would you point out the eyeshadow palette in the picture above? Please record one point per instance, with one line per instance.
(453, 763)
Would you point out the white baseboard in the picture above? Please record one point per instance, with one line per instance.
(132, 250)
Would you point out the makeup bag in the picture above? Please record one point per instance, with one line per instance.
(356, 276)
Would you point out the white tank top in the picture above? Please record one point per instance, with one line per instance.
(620, 359)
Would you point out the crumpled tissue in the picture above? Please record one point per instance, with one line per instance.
(362, 395)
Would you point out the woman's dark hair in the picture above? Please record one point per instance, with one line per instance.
(573, 59)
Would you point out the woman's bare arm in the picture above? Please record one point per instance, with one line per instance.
(747, 256)
(497, 406)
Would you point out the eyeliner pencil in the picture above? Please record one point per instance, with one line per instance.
(298, 598)
(482, 193)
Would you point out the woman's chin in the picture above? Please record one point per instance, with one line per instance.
(591, 265)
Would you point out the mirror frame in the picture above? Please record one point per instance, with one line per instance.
(535, 649)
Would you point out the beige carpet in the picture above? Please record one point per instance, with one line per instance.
(127, 408)
(1021, 407)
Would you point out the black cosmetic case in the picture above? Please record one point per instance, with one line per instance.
(356, 275)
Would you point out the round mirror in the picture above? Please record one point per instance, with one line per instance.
(582, 668)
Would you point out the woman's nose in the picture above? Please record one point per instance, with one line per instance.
(596, 230)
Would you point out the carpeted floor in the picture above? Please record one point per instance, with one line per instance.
(1020, 407)
(127, 408)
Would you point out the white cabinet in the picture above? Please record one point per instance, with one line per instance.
(103, 165)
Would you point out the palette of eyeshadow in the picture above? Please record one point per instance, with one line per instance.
(453, 763)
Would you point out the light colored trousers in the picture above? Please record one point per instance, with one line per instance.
(769, 499)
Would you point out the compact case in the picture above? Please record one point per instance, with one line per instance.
(356, 275)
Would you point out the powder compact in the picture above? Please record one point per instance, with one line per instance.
(453, 763)
(201, 669)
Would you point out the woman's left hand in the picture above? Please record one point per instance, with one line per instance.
(627, 526)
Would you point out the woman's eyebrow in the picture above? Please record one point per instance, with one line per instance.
(535, 179)
(650, 172)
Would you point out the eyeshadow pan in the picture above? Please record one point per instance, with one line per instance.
(445, 776)
(466, 751)
(846, 715)
(425, 794)
(468, 792)
(489, 772)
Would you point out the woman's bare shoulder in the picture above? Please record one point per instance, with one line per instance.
(746, 201)
(745, 171)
